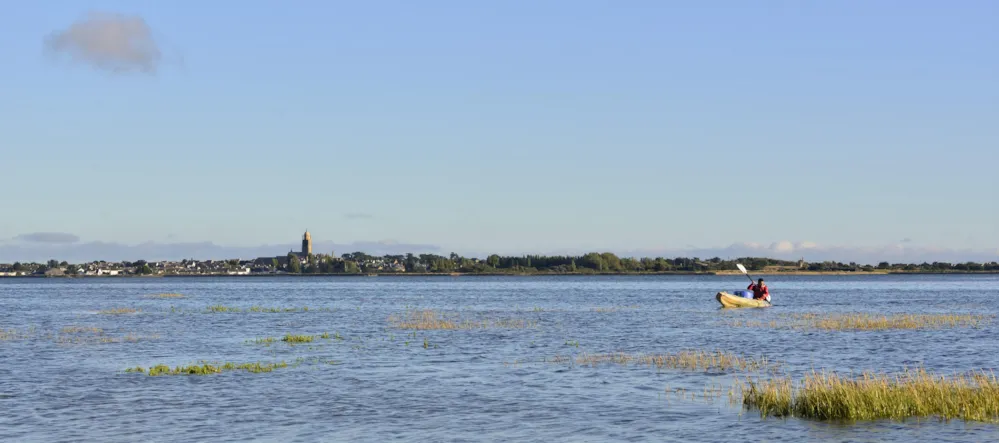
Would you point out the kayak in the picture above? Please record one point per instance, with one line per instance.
(728, 300)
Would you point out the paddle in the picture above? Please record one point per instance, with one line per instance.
(744, 271)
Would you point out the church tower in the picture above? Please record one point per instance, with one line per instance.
(307, 244)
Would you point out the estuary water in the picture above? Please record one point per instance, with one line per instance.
(63, 361)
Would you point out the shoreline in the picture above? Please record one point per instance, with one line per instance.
(515, 274)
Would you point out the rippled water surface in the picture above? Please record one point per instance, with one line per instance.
(373, 382)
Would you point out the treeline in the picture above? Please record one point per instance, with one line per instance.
(591, 263)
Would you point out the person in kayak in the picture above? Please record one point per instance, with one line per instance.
(759, 290)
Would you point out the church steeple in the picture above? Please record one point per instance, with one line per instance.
(307, 247)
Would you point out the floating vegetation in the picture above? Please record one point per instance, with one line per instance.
(222, 308)
(206, 368)
(119, 311)
(167, 295)
(868, 322)
(432, 320)
(828, 396)
(687, 360)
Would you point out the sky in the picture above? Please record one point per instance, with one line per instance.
(814, 129)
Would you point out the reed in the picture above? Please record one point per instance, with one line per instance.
(433, 320)
(222, 308)
(685, 360)
(873, 396)
(119, 311)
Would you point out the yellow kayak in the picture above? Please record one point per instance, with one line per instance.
(728, 300)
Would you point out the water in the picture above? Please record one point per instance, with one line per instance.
(481, 385)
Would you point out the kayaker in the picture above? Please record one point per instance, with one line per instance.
(759, 290)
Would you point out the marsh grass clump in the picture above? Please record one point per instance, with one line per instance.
(828, 396)
(119, 311)
(167, 295)
(291, 339)
(686, 360)
(207, 369)
(433, 320)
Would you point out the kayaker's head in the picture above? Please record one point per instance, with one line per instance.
(760, 281)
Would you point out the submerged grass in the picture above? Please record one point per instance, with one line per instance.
(206, 368)
(686, 360)
(869, 322)
(119, 311)
(260, 309)
(828, 396)
(433, 320)
(614, 308)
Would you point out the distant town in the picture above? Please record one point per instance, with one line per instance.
(306, 262)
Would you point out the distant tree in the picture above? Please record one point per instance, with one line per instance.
(53, 264)
(493, 260)
(351, 267)
(63, 264)
(144, 269)
(17, 267)
(293, 264)
(275, 263)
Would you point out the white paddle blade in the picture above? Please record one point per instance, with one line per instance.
(741, 268)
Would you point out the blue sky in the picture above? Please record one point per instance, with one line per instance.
(512, 126)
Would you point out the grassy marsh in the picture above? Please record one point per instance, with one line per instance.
(829, 396)
(433, 320)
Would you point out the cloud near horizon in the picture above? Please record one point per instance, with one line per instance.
(41, 246)
(108, 41)
(47, 237)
